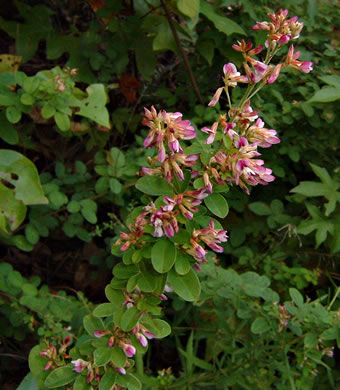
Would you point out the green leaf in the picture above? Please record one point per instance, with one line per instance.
(93, 107)
(36, 362)
(254, 284)
(311, 340)
(260, 325)
(335, 245)
(145, 58)
(325, 95)
(104, 310)
(8, 132)
(12, 211)
(60, 377)
(62, 120)
(147, 281)
(183, 263)
(73, 206)
(323, 175)
(333, 80)
(222, 23)
(296, 297)
(21, 173)
(102, 185)
(129, 319)
(116, 158)
(57, 198)
(319, 223)
(92, 323)
(260, 208)
(27, 99)
(108, 380)
(158, 327)
(154, 185)
(122, 271)
(163, 255)
(115, 186)
(114, 296)
(164, 39)
(29, 289)
(89, 215)
(217, 204)
(310, 188)
(47, 111)
(186, 286)
(13, 114)
(330, 334)
(102, 356)
(81, 384)
(189, 8)
(129, 381)
(31, 234)
(206, 48)
(118, 357)
(28, 383)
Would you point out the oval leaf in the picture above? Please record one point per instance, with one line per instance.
(163, 255)
(217, 204)
(187, 286)
(102, 356)
(154, 185)
(260, 325)
(60, 377)
(129, 319)
(92, 323)
(108, 380)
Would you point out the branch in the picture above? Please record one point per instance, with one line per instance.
(185, 58)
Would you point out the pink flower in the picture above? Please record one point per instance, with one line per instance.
(141, 333)
(275, 74)
(163, 219)
(291, 60)
(265, 137)
(232, 76)
(216, 97)
(121, 370)
(306, 66)
(212, 237)
(128, 349)
(166, 127)
(211, 132)
(260, 69)
(48, 365)
(284, 39)
(79, 365)
(101, 333)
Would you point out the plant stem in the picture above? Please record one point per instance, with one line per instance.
(185, 58)
(334, 298)
(139, 364)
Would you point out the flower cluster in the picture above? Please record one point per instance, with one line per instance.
(237, 164)
(211, 237)
(280, 30)
(166, 131)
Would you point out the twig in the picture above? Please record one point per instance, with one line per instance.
(18, 357)
(185, 58)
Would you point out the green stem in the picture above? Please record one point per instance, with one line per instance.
(139, 364)
(334, 298)
(228, 96)
(292, 384)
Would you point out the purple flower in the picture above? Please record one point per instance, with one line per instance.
(211, 132)
(79, 365)
(129, 349)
